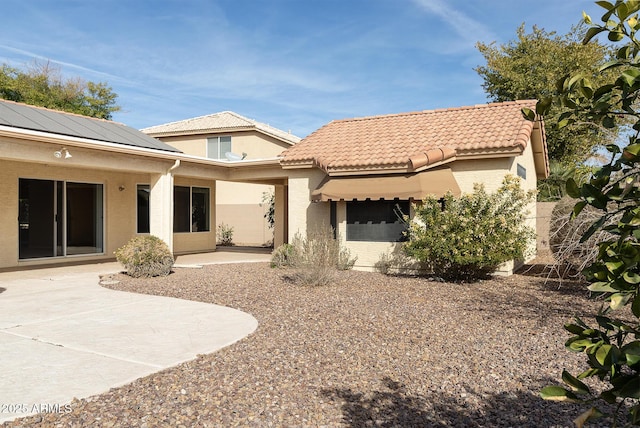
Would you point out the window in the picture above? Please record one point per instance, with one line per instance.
(379, 221)
(143, 192)
(218, 146)
(191, 209)
(522, 172)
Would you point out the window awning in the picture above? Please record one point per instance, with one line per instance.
(435, 181)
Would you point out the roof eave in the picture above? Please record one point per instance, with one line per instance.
(193, 132)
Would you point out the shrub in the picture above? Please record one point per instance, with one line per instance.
(315, 258)
(468, 237)
(572, 255)
(225, 235)
(283, 256)
(145, 256)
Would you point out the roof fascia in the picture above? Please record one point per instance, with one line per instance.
(39, 136)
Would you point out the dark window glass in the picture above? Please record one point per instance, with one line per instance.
(181, 209)
(143, 208)
(379, 221)
(200, 209)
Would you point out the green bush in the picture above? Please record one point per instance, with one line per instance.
(225, 235)
(145, 256)
(468, 237)
(316, 258)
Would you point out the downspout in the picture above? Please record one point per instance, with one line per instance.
(174, 166)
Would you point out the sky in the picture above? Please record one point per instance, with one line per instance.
(294, 64)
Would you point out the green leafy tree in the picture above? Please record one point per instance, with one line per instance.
(529, 68)
(43, 85)
(468, 237)
(611, 341)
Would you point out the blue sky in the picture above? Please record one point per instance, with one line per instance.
(295, 64)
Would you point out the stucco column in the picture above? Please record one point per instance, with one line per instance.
(281, 213)
(161, 207)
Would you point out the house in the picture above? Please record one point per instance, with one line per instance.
(77, 188)
(230, 136)
(358, 174)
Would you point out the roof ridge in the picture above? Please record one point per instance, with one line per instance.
(61, 111)
(189, 119)
(439, 110)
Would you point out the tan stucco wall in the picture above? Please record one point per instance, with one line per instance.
(119, 206)
(197, 241)
(255, 144)
(239, 205)
(303, 213)
(490, 172)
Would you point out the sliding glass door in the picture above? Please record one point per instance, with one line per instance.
(58, 218)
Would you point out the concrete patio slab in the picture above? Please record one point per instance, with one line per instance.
(64, 336)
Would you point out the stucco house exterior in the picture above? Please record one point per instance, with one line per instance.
(77, 188)
(238, 205)
(360, 172)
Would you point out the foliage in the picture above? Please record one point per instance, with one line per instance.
(43, 85)
(553, 188)
(529, 67)
(572, 254)
(283, 256)
(269, 199)
(315, 258)
(473, 234)
(611, 345)
(145, 256)
(225, 235)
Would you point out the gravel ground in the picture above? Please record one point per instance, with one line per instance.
(369, 350)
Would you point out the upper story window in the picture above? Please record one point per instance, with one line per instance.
(218, 146)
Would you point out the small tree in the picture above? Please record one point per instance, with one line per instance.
(611, 345)
(468, 237)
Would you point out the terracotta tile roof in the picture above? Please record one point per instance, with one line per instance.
(409, 141)
(225, 121)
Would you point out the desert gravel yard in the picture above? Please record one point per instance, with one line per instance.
(370, 350)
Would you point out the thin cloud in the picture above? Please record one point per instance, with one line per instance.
(465, 26)
(33, 55)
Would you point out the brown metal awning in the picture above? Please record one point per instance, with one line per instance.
(436, 182)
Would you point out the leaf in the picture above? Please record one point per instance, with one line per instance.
(603, 355)
(631, 389)
(631, 277)
(618, 300)
(591, 33)
(632, 352)
(615, 36)
(543, 105)
(557, 393)
(573, 328)
(577, 209)
(572, 188)
(601, 287)
(594, 227)
(574, 383)
(529, 114)
(635, 306)
(587, 416)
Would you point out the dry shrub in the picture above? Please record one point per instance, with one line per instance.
(315, 259)
(571, 255)
(145, 256)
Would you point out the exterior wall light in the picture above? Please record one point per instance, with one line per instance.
(63, 153)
